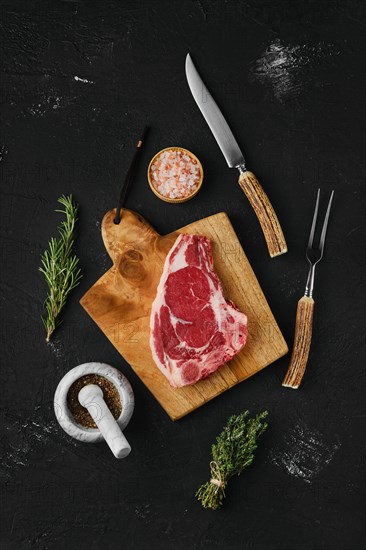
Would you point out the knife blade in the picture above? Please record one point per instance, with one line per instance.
(234, 157)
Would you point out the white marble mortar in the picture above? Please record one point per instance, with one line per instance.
(64, 416)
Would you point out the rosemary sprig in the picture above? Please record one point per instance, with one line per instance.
(60, 266)
(231, 454)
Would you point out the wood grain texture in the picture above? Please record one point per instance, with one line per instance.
(265, 213)
(120, 304)
(302, 343)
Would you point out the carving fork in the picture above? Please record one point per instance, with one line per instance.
(305, 306)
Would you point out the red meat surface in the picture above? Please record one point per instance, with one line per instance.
(194, 330)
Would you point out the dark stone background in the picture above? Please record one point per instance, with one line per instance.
(290, 78)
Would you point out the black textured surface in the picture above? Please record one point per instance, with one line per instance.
(289, 76)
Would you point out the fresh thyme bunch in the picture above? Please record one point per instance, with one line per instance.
(60, 266)
(231, 454)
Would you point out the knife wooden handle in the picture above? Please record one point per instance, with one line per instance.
(266, 215)
(302, 342)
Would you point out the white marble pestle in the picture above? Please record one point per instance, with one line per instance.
(91, 397)
(95, 435)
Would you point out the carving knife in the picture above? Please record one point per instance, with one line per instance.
(234, 157)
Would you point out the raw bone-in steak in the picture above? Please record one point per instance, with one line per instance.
(194, 330)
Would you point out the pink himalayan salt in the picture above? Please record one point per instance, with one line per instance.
(175, 174)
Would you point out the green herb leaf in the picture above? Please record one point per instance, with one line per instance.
(60, 267)
(231, 454)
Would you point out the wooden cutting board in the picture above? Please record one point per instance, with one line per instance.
(120, 303)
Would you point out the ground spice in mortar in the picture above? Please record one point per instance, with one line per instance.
(110, 396)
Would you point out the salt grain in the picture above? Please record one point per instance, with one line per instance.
(175, 174)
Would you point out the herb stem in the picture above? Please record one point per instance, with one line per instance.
(60, 267)
(231, 454)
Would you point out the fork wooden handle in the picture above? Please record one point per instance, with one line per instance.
(265, 213)
(302, 342)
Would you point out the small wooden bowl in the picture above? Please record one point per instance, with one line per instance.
(168, 199)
